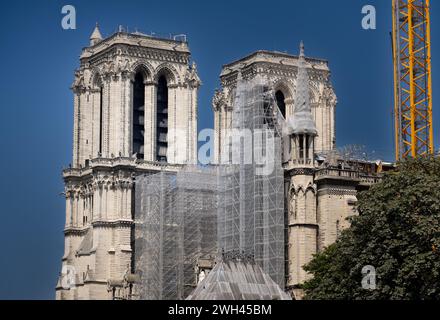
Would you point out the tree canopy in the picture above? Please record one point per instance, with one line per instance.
(397, 232)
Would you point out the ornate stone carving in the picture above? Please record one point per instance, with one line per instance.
(78, 85)
(329, 95)
(170, 72)
(335, 191)
(218, 101)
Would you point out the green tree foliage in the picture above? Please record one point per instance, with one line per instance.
(397, 231)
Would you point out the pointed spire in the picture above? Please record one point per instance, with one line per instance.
(302, 119)
(301, 49)
(96, 36)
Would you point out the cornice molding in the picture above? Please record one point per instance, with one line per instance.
(111, 224)
(136, 52)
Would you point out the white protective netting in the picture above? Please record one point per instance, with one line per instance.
(235, 207)
(251, 214)
(175, 225)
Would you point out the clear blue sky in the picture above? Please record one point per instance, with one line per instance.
(38, 59)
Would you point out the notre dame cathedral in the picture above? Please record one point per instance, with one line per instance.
(135, 113)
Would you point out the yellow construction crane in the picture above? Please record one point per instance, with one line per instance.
(412, 78)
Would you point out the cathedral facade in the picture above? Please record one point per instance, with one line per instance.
(135, 112)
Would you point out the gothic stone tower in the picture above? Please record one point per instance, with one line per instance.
(319, 195)
(135, 107)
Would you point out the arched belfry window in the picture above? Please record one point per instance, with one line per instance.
(162, 120)
(279, 96)
(138, 115)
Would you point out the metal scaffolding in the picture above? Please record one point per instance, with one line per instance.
(414, 135)
(236, 207)
(251, 193)
(175, 215)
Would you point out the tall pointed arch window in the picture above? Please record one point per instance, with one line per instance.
(138, 115)
(162, 120)
(280, 99)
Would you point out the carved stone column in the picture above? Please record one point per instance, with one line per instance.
(172, 123)
(180, 128)
(127, 123)
(76, 119)
(150, 120)
(95, 97)
(289, 107)
(68, 209)
(106, 116)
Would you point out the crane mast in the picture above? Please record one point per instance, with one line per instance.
(412, 78)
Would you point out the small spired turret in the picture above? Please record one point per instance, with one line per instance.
(302, 125)
(96, 36)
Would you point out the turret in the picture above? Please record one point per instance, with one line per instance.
(301, 122)
(96, 36)
(302, 218)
